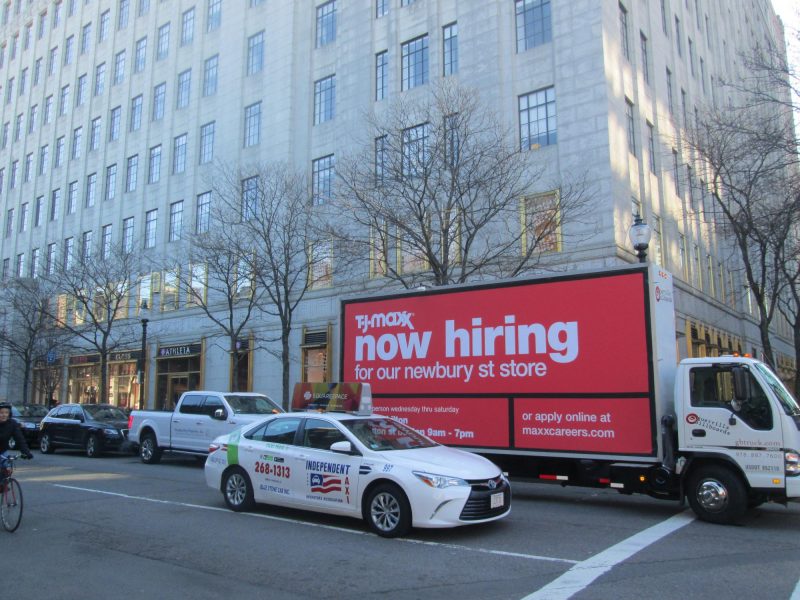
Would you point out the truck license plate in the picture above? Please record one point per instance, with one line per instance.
(496, 500)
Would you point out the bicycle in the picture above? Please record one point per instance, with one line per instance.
(10, 495)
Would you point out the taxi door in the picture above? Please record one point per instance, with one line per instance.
(267, 455)
(325, 480)
(749, 431)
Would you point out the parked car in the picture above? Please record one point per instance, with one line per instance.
(93, 427)
(28, 416)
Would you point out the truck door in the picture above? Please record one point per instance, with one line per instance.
(187, 423)
(748, 430)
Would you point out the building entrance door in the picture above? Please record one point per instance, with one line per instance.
(176, 385)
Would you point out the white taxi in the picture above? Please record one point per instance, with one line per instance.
(358, 465)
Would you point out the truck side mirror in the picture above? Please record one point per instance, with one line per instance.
(219, 414)
(741, 384)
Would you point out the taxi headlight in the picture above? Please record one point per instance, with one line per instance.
(791, 459)
(438, 481)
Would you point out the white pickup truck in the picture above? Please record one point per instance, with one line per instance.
(198, 418)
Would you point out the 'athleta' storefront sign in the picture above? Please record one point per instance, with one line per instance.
(179, 350)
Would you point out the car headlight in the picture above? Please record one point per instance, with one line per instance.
(791, 460)
(29, 425)
(111, 432)
(438, 481)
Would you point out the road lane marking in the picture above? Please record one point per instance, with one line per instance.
(319, 525)
(584, 573)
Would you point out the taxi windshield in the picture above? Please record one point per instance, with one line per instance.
(252, 405)
(386, 434)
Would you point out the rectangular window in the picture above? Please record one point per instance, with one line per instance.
(326, 23)
(175, 221)
(72, 197)
(678, 43)
(414, 62)
(37, 71)
(255, 53)
(38, 211)
(80, 91)
(127, 235)
(203, 212)
(657, 245)
(537, 119)
(150, 223)
(645, 58)
(675, 172)
(55, 204)
(122, 15)
(91, 190)
(116, 123)
(184, 89)
(105, 242)
(159, 100)
(131, 173)
(119, 67)
(44, 152)
(9, 222)
(94, 134)
(23, 217)
(86, 38)
(20, 265)
(47, 117)
(381, 8)
(249, 198)
(207, 143)
(136, 113)
(670, 101)
(105, 24)
(533, 21)
(77, 143)
(28, 167)
(210, 75)
(69, 50)
(99, 79)
(322, 179)
(52, 61)
(381, 75)
(140, 55)
(541, 223)
(623, 31)
(187, 27)
(252, 124)
(86, 246)
(162, 49)
(324, 99)
(50, 259)
(691, 57)
(69, 253)
(450, 49)
(320, 261)
(144, 8)
(179, 154)
(110, 191)
(651, 146)
(32, 118)
(154, 165)
(629, 125)
(214, 15)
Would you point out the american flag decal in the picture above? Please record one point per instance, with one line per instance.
(325, 484)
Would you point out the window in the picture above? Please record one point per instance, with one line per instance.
(140, 55)
(122, 15)
(69, 47)
(326, 23)
(670, 101)
(4, 137)
(47, 117)
(450, 49)
(91, 190)
(77, 143)
(159, 99)
(163, 42)
(37, 71)
(28, 167)
(144, 8)
(415, 62)
(645, 58)
(534, 26)
(35, 263)
(537, 119)
(210, 75)
(131, 173)
(86, 246)
(249, 198)
(72, 197)
(86, 38)
(712, 388)
(44, 152)
(252, 124)
(175, 220)
(50, 259)
(203, 212)
(381, 8)
(32, 118)
(150, 223)
(154, 165)
(207, 143)
(52, 61)
(320, 263)
(179, 154)
(127, 235)
(255, 53)
(105, 242)
(105, 23)
(110, 191)
(136, 113)
(55, 204)
(541, 223)
(214, 15)
(187, 27)
(651, 146)
(9, 222)
(20, 265)
(38, 210)
(322, 179)
(80, 91)
(678, 43)
(675, 173)
(23, 217)
(69, 253)
(99, 79)
(381, 75)
(119, 67)
(115, 124)
(623, 32)
(629, 124)
(664, 20)
(94, 134)
(657, 245)
(184, 89)
(691, 57)
(324, 99)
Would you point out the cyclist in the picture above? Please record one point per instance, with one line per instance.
(10, 428)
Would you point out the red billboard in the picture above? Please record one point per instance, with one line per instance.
(570, 338)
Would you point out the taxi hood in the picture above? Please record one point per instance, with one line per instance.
(441, 460)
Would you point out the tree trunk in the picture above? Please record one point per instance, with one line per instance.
(103, 387)
(285, 363)
(234, 352)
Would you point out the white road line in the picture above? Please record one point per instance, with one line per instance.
(332, 527)
(584, 573)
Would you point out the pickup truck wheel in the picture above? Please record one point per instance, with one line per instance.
(387, 511)
(46, 444)
(717, 494)
(237, 490)
(149, 451)
(93, 446)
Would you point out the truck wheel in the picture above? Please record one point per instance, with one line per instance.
(46, 444)
(92, 446)
(237, 490)
(717, 494)
(149, 451)
(387, 511)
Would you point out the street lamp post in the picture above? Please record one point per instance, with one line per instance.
(639, 234)
(143, 357)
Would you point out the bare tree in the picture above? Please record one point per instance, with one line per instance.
(788, 260)
(221, 281)
(92, 303)
(269, 206)
(444, 186)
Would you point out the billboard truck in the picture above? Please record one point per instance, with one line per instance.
(575, 379)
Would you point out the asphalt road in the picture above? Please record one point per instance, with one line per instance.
(116, 528)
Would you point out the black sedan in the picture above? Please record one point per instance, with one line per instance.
(28, 416)
(94, 428)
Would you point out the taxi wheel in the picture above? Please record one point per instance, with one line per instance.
(237, 490)
(387, 511)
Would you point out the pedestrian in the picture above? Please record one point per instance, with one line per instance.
(10, 428)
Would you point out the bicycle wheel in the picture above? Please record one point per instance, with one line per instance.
(11, 505)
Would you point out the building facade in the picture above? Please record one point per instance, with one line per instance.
(115, 113)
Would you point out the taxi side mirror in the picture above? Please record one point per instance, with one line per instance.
(343, 447)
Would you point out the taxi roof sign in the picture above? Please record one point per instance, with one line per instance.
(333, 397)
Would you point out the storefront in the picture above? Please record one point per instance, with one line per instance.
(316, 355)
(123, 385)
(178, 369)
(48, 377)
(83, 378)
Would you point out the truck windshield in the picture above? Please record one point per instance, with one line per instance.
(387, 434)
(252, 405)
(788, 403)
